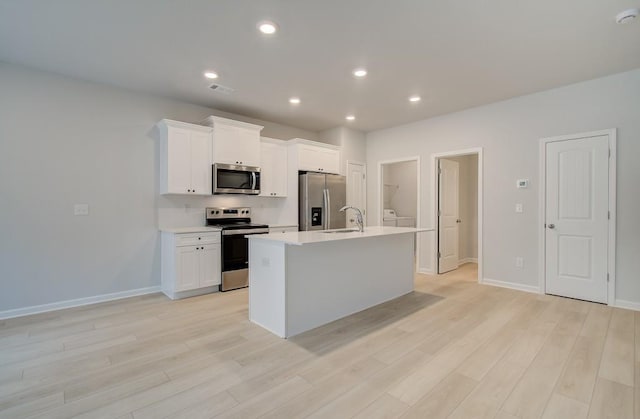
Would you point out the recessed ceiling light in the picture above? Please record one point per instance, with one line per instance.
(294, 100)
(211, 75)
(267, 27)
(350, 117)
(359, 72)
(627, 16)
(415, 99)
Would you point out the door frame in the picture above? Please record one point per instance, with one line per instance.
(611, 254)
(418, 193)
(435, 157)
(364, 190)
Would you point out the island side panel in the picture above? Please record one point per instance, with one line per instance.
(330, 280)
(267, 306)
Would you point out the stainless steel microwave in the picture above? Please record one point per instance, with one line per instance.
(235, 179)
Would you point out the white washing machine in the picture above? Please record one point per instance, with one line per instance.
(390, 218)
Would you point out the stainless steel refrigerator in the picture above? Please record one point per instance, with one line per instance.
(321, 197)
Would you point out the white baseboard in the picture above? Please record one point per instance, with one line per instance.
(17, 312)
(426, 271)
(514, 286)
(630, 305)
(467, 260)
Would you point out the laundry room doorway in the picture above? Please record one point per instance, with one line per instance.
(400, 193)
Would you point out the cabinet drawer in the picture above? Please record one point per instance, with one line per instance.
(197, 238)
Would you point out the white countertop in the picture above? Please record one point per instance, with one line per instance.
(309, 237)
(195, 229)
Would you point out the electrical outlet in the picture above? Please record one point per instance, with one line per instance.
(519, 262)
(81, 209)
(519, 208)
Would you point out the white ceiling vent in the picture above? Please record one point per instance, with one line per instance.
(627, 16)
(221, 89)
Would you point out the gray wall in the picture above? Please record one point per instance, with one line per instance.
(352, 142)
(64, 141)
(509, 133)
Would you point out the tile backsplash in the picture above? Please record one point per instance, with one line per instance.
(187, 211)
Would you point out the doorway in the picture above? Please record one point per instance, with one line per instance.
(399, 204)
(578, 216)
(457, 190)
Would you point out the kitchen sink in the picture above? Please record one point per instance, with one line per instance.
(348, 230)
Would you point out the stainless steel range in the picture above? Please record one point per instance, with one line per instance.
(235, 224)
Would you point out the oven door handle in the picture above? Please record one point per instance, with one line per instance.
(245, 231)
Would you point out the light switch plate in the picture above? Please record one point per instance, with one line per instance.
(519, 262)
(81, 209)
(519, 207)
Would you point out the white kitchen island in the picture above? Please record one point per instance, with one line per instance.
(302, 280)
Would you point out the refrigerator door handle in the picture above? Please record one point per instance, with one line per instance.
(327, 206)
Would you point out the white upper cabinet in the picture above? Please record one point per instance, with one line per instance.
(273, 168)
(235, 142)
(185, 158)
(317, 157)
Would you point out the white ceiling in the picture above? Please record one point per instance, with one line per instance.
(455, 54)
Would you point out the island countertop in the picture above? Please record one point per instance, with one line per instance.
(321, 236)
(195, 229)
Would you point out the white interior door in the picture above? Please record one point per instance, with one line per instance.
(448, 215)
(356, 190)
(577, 205)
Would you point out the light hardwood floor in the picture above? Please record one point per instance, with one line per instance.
(452, 348)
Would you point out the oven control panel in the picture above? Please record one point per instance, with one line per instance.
(213, 213)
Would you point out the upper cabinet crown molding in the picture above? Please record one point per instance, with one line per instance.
(211, 121)
(313, 143)
(166, 123)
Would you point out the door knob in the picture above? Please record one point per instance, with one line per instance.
(458, 221)
(552, 226)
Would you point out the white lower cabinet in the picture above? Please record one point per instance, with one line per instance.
(190, 263)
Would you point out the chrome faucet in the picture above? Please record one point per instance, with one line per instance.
(359, 219)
